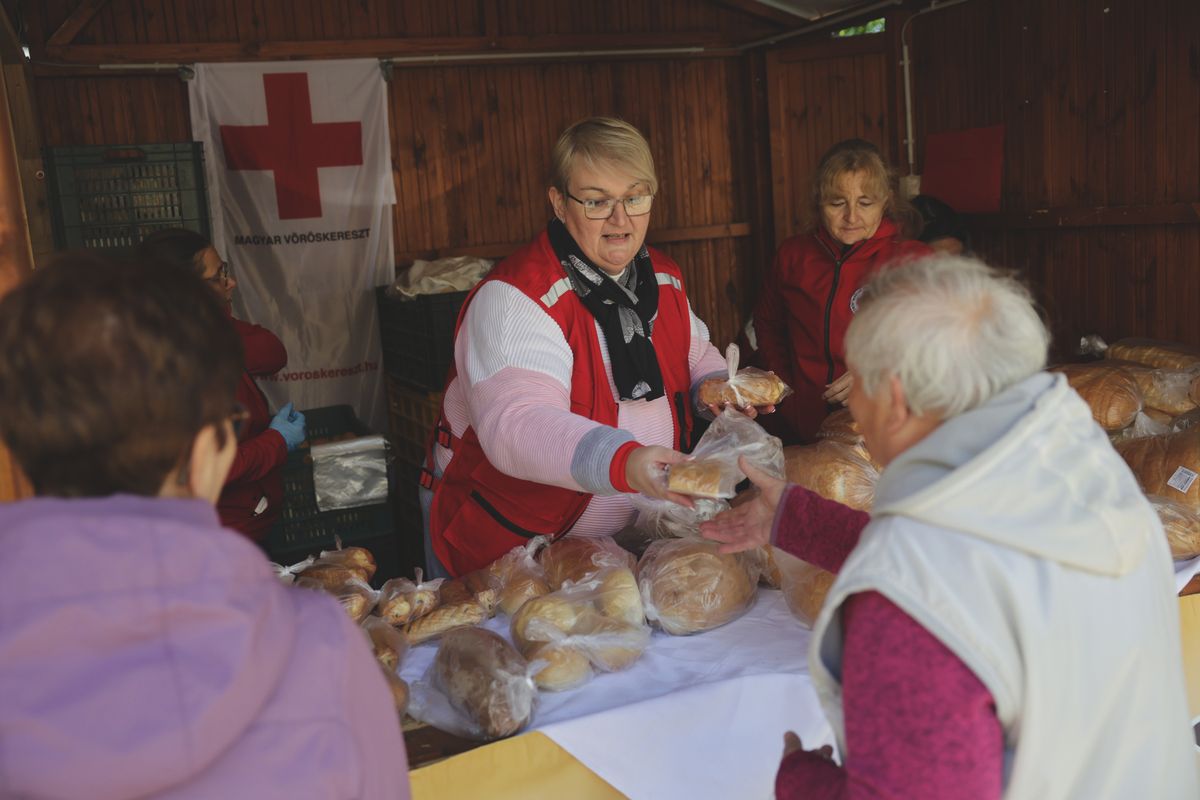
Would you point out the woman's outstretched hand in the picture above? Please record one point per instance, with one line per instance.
(749, 525)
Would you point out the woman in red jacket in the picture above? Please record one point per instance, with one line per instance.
(859, 224)
(253, 495)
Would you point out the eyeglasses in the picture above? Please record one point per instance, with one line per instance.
(237, 418)
(635, 206)
(221, 278)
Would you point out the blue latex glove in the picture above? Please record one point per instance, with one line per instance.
(290, 424)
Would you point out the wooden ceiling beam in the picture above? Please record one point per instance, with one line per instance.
(766, 12)
(567, 44)
(76, 22)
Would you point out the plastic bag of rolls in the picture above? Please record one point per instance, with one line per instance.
(749, 387)
(1181, 524)
(713, 470)
(688, 587)
(841, 427)
(1167, 466)
(518, 576)
(575, 558)
(486, 682)
(332, 568)
(355, 595)
(402, 600)
(834, 470)
(597, 624)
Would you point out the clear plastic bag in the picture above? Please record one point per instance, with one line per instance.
(576, 558)
(662, 519)
(732, 435)
(333, 567)
(688, 587)
(1142, 426)
(834, 470)
(350, 473)
(402, 600)
(518, 576)
(388, 643)
(598, 623)
(478, 687)
(1185, 421)
(745, 388)
(287, 574)
(356, 596)
(804, 585)
(1181, 524)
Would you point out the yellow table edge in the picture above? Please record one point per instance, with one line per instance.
(525, 767)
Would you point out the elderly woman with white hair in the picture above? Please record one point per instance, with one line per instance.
(1003, 623)
(575, 367)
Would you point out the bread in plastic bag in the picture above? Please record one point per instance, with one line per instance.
(388, 643)
(359, 558)
(1181, 524)
(1154, 353)
(840, 426)
(1143, 425)
(402, 600)
(1185, 421)
(660, 519)
(745, 388)
(804, 585)
(477, 587)
(575, 558)
(1110, 391)
(600, 619)
(400, 691)
(1166, 466)
(287, 573)
(834, 470)
(485, 680)
(688, 587)
(732, 435)
(443, 619)
(1167, 390)
(355, 595)
(519, 576)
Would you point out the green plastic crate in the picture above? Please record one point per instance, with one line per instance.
(112, 197)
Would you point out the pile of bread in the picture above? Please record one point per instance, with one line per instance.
(1146, 395)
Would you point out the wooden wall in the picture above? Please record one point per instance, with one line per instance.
(470, 142)
(1101, 184)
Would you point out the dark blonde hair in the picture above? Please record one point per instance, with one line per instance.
(859, 155)
(602, 141)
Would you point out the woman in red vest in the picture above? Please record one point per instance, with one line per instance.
(576, 362)
(252, 498)
(858, 223)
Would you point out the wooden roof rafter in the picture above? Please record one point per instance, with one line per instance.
(75, 23)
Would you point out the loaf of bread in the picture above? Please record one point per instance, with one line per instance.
(1154, 353)
(1181, 524)
(558, 667)
(688, 587)
(574, 558)
(1110, 391)
(699, 478)
(486, 680)
(1163, 390)
(1166, 466)
(749, 387)
(402, 600)
(358, 558)
(804, 586)
(609, 644)
(1161, 417)
(518, 576)
(388, 643)
(399, 691)
(834, 470)
(618, 596)
(332, 576)
(474, 587)
(443, 619)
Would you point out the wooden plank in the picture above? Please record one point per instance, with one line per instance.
(779, 18)
(1101, 216)
(75, 23)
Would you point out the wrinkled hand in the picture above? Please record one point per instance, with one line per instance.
(749, 525)
(839, 390)
(792, 744)
(290, 424)
(646, 471)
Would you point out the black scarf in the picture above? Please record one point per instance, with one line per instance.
(625, 311)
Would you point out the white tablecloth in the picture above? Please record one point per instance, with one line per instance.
(696, 717)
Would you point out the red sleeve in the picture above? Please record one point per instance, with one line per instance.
(919, 723)
(770, 324)
(264, 353)
(257, 456)
(820, 531)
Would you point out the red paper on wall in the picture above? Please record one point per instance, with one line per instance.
(963, 168)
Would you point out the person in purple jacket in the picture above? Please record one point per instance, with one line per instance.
(145, 651)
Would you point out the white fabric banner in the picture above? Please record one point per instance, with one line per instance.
(300, 187)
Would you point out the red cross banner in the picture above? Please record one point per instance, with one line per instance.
(300, 186)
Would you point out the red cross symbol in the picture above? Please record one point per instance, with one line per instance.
(292, 146)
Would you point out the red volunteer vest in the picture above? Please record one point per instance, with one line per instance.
(479, 513)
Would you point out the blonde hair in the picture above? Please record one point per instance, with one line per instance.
(602, 141)
(859, 155)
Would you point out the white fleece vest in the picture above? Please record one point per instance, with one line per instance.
(1085, 667)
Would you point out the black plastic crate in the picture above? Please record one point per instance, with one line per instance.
(304, 530)
(418, 337)
(112, 197)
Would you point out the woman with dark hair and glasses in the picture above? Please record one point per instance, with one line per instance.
(253, 496)
(146, 651)
(576, 362)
